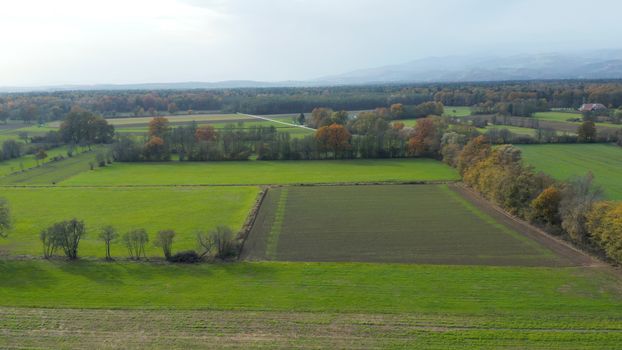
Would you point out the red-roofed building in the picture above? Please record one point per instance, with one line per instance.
(591, 107)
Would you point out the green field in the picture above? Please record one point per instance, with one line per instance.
(557, 116)
(184, 210)
(246, 125)
(564, 116)
(473, 280)
(425, 224)
(294, 305)
(457, 111)
(568, 160)
(28, 161)
(49, 173)
(514, 129)
(265, 172)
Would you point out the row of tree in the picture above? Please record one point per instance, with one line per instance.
(218, 243)
(572, 209)
(515, 98)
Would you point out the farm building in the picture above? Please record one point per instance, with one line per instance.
(591, 107)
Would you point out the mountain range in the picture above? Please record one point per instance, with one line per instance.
(587, 64)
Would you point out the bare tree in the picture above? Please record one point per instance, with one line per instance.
(205, 242)
(219, 240)
(108, 234)
(48, 239)
(135, 242)
(164, 239)
(65, 235)
(578, 196)
(223, 242)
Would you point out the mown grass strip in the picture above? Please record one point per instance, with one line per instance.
(277, 226)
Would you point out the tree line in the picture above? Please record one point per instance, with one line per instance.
(218, 243)
(510, 98)
(572, 209)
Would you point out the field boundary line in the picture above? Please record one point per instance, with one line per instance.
(277, 121)
(250, 220)
(301, 184)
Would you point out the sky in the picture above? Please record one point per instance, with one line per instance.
(146, 41)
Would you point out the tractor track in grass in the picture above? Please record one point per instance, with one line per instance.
(101, 328)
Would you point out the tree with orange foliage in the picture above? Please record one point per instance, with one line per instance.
(159, 127)
(397, 110)
(155, 149)
(475, 150)
(426, 139)
(334, 138)
(205, 133)
(398, 126)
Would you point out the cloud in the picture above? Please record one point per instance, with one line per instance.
(124, 41)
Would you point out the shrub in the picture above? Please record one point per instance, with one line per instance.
(185, 257)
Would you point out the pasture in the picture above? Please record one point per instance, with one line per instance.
(184, 209)
(294, 305)
(237, 125)
(513, 129)
(265, 172)
(28, 161)
(425, 224)
(176, 119)
(563, 161)
(557, 116)
(48, 173)
(457, 111)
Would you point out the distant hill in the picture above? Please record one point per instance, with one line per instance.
(229, 84)
(598, 64)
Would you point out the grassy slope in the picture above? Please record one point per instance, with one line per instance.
(182, 209)
(28, 161)
(426, 224)
(565, 161)
(51, 172)
(265, 172)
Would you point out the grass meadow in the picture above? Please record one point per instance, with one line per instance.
(457, 111)
(514, 129)
(183, 209)
(279, 304)
(557, 116)
(564, 161)
(265, 172)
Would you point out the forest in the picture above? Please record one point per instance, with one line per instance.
(507, 98)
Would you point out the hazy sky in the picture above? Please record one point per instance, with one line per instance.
(136, 41)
